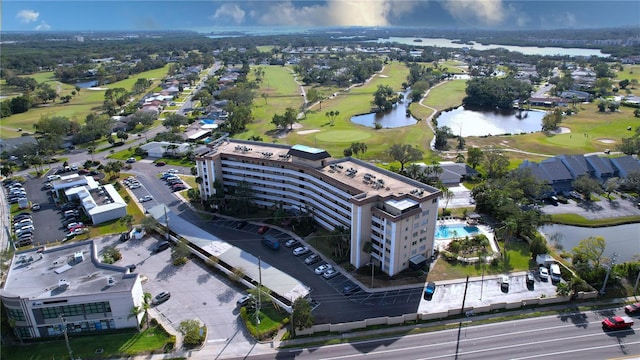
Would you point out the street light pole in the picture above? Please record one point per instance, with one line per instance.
(606, 278)
(66, 336)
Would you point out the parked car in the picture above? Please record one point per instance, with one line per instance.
(429, 290)
(531, 280)
(35, 207)
(53, 177)
(83, 172)
(544, 273)
(331, 273)
(617, 323)
(161, 297)
(322, 268)
(350, 289)
(291, 243)
(633, 309)
(131, 160)
(301, 251)
(504, 284)
(173, 171)
(135, 186)
(312, 259)
(263, 229)
(178, 187)
(161, 163)
(245, 300)
(554, 273)
(164, 245)
(146, 198)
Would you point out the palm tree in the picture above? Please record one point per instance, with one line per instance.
(90, 151)
(127, 220)
(413, 171)
(133, 313)
(460, 158)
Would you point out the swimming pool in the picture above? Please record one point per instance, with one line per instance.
(461, 230)
(207, 122)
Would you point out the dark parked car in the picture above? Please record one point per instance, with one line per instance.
(263, 229)
(164, 245)
(429, 290)
(350, 290)
(161, 163)
(241, 225)
(531, 280)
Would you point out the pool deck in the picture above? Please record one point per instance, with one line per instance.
(484, 229)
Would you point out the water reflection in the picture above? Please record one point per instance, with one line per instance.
(396, 117)
(622, 239)
(86, 84)
(479, 123)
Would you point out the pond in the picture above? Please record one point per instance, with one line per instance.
(86, 84)
(480, 123)
(624, 240)
(396, 117)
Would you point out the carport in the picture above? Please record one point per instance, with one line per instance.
(277, 281)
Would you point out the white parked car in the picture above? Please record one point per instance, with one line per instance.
(322, 268)
(300, 250)
(330, 273)
(146, 198)
(544, 273)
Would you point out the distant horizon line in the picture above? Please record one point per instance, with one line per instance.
(236, 29)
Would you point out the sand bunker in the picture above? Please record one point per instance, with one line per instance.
(561, 130)
(97, 88)
(305, 132)
(383, 76)
(607, 141)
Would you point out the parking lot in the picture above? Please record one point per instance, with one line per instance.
(482, 292)
(47, 221)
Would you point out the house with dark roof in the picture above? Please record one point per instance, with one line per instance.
(12, 144)
(552, 172)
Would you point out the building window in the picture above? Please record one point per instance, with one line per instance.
(15, 314)
(417, 216)
(434, 200)
(425, 213)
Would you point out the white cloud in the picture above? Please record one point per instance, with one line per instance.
(565, 19)
(229, 13)
(27, 16)
(43, 26)
(484, 12)
(335, 13)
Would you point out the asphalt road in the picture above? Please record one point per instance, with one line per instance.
(571, 336)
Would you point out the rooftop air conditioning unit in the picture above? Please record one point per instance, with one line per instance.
(110, 281)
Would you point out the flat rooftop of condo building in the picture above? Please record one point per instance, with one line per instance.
(362, 177)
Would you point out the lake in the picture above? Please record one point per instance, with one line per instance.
(624, 240)
(480, 123)
(527, 50)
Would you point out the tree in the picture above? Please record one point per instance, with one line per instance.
(448, 195)
(173, 121)
(495, 163)
(384, 97)
(563, 289)
(110, 254)
(551, 120)
(90, 151)
(460, 158)
(301, 317)
(190, 329)
(589, 251)
(113, 167)
(586, 185)
(405, 153)
(611, 185)
(181, 250)
(357, 148)
(127, 220)
(46, 93)
(474, 156)
(538, 246)
(148, 223)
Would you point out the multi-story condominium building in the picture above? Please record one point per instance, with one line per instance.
(390, 212)
(66, 288)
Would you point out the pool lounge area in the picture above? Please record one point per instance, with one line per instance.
(450, 228)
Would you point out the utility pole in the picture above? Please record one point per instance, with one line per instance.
(635, 287)
(259, 290)
(482, 281)
(606, 278)
(66, 336)
(464, 297)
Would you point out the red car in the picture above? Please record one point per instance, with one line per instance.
(263, 229)
(617, 323)
(633, 309)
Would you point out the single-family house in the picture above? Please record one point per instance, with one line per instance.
(158, 149)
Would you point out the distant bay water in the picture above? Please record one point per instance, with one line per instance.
(527, 50)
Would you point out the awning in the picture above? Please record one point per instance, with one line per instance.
(418, 259)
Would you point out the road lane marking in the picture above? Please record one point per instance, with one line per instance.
(583, 349)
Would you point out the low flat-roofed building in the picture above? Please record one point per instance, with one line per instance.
(48, 286)
(101, 204)
(392, 213)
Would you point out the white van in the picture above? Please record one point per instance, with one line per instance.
(554, 272)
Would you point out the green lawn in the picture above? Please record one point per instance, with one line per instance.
(105, 346)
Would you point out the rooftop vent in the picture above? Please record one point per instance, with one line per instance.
(110, 281)
(63, 283)
(78, 256)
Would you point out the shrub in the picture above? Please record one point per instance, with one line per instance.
(180, 261)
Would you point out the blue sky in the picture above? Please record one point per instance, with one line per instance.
(97, 15)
